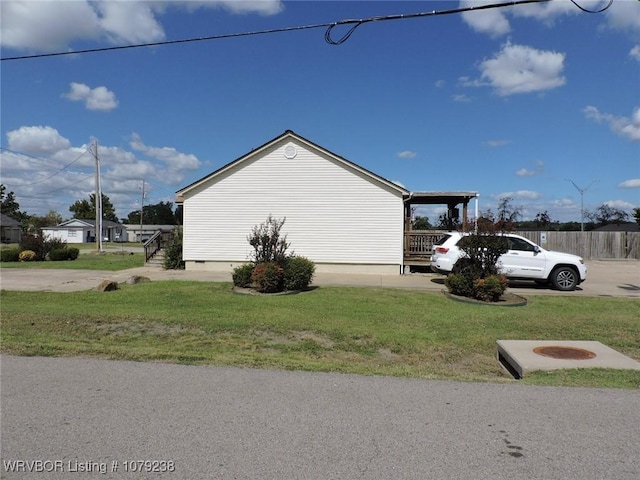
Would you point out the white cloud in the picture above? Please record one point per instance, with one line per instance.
(37, 140)
(491, 21)
(623, 126)
(129, 22)
(620, 204)
(635, 52)
(99, 98)
(406, 154)
(631, 183)
(521, 69)
(50, 25)
(461, 98)
(175, 161)
(440, 83)
(527, 194)
(622, 15)
(497, 143)
(525, 172)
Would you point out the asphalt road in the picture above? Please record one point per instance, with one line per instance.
(218, 423)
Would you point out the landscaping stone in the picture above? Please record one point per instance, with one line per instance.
(135, 279)
(107, 286)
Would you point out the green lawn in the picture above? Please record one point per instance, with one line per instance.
(373, 331)
(111, 260)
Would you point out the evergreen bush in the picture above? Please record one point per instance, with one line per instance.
(173, 251)
(9, 255)
(460, 284)
(242, 275)
(491, 288)
(298, 273)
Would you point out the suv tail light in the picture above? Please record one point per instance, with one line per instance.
(442, 249)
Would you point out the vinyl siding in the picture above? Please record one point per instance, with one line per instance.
(334, 213)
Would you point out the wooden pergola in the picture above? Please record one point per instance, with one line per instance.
(418, 243)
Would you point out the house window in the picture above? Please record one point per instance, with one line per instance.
(72, 233)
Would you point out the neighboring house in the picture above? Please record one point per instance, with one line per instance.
(10, 229)
(338, 214)
(148, 231)
(84, 231)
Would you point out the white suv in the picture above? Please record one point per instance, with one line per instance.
(523, 261)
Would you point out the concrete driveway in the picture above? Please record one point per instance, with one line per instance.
(614, 278)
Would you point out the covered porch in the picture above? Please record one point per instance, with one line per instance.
(419, 243)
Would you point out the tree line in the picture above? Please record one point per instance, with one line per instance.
(508, 217)
(162, 213)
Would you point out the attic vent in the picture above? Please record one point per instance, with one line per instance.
(290, 151)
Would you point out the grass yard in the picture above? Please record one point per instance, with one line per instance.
(372, 331)
(111, 260)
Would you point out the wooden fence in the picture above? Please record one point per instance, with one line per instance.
(590, 245)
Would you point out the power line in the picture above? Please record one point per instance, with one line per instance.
(354, 23)
(50, 176)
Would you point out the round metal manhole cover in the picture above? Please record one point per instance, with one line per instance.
(564, 353)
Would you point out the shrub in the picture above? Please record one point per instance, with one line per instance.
(27, 256)
(460, 284)
(62, 254)
(491, 288)
(298, 273)
(173, 252)
(9, 255)
(267, 277)
(58, 255)
(41, 245)
(242, 275)
(267, 245)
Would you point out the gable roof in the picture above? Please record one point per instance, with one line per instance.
(7, 221)
(85, 223)
(289, 134)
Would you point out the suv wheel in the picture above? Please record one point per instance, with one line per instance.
(564, 278)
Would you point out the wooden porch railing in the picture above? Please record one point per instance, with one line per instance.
(419, 243)
(152, 246)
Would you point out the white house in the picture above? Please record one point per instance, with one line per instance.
(338, 214)
(84, 231)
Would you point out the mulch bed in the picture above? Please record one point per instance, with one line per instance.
(507, 299)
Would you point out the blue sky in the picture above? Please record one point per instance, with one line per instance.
(512, 102)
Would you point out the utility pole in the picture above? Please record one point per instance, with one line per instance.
(98, 198)
(581, 190)
(141, 209)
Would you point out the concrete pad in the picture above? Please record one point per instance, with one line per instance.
(519, 357)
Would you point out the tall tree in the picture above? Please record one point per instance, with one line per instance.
(159, 214)
(86, 210)
(9, 205)
(508, 214)
(35, 223)
(606, 215)
(636, 215)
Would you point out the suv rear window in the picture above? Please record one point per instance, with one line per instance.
(442, 239)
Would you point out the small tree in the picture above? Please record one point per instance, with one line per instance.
(268, 246)
(476, 273)
(173, 251)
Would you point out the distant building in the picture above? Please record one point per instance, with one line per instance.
(84, 231)
(11, 230)
(133, 233)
